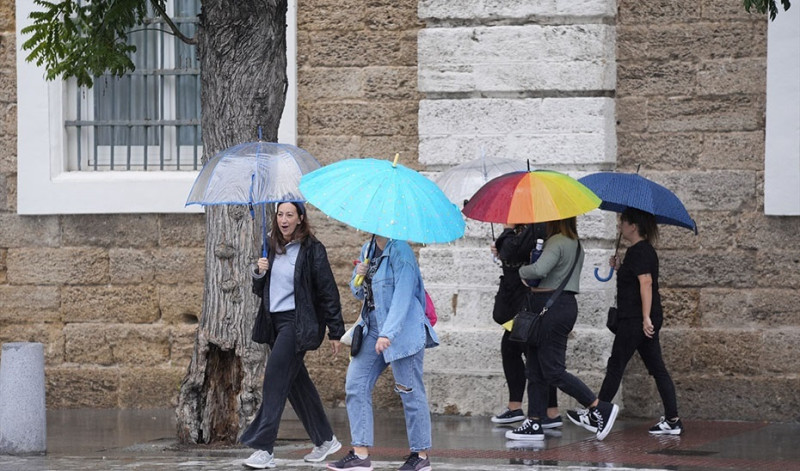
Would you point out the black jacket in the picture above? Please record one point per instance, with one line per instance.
(316, 300)
(514, 250)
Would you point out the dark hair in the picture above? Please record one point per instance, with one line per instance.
(276, 241)
(645, 223)
(568, 227)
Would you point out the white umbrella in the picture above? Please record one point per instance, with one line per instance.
(462, 181)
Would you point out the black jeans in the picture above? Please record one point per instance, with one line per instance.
(286, 376)
(513, 355)
(630, 338)
(546, 364)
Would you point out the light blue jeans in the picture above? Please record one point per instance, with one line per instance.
(363, 372)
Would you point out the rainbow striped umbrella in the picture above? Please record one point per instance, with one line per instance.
(527, 197)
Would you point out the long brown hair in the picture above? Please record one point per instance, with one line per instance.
(568, 227)
(645, 223)
(277, 243)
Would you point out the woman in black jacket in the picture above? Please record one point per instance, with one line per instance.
(299, 299)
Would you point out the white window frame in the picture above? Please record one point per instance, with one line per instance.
(44, 184)
(782, 137)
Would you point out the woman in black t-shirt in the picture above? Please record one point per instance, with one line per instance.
(640, 317)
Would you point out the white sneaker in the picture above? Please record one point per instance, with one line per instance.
(319, 453)
(260, 459)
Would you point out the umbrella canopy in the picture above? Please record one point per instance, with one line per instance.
(252, 173)
(384, 198)
(620, 191)
(462, 181)
(528, 197)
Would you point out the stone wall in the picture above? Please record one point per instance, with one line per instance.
(690, 110)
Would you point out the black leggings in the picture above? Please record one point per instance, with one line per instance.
(513, 355)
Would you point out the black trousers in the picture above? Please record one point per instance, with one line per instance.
(630, 338)
(513, 355)
(546, 363)
(286, 377)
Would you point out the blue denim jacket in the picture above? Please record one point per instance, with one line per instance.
(399, 301)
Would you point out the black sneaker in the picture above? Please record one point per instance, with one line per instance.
(529, 430)
(555, 422)
(509, 416)
(351, 462)
(582, 418)
(415, 463)
(665, 427)
(605, 414)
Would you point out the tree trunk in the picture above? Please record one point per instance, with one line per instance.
(242, 51)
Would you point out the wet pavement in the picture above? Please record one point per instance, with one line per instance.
(144, 440)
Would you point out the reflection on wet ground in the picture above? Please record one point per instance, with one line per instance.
(145, 440)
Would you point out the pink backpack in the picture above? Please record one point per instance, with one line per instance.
(430, 309)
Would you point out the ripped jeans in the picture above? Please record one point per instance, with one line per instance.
(363, 372)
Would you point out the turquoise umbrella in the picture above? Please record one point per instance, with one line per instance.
(384, 198)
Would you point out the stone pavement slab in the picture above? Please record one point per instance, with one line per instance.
(128, 440)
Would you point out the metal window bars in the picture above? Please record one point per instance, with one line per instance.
(148, 119)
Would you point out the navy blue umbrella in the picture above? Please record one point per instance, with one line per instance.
(620, 191)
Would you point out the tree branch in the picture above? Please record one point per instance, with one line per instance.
(175, 31)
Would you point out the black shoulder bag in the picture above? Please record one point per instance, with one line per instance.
(527, 326)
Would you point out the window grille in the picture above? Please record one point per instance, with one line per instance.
(148, 119)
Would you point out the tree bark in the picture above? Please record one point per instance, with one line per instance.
(242, 53)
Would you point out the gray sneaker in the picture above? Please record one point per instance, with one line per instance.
(351, 462)
(415, 463)
(260, 459)
(319, 453)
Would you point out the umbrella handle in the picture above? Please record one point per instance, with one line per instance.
(600, 278)
(360, 278)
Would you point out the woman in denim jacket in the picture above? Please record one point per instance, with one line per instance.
(396, 332)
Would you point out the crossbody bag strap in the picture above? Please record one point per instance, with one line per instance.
(560, 288)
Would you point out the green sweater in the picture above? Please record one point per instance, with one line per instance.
(554, 264)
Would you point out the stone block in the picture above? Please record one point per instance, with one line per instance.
(588, 349)
(330, 149)
(179, 265)
(733, 11)
(550, 131)
(774, 308)
(182, 339)
(724, 269)
(593, 307)
(49, 335)
(385, 147)
(761, 232)
(182, 230)
(28, 231)
(3, 193)
(8, 40)
(320, 15)
(751, 309)
(475, 349)
(8, 86)
(117, 344)
(660, 151)
(466, 392)
(486, 11)
(358, 48)
(780, 350)
(127, 266)
(681, 307)
(8, 153)
(489, 59)
(656, 77)
(73, 387)
(363, 118)
(464, 267)
(728, 76)
(632, 115)
(659, 12)
(64, 266)
(678, 41)
(129, 304)
(149, 387)
(717, 230)
(390, 83)
(777, 269)
(731, 190)
(733, 151)
(463, 308)
(180, 304)
(707, 113)
(331, 83)
(726, 351)
(23, 304)
(110, 230)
